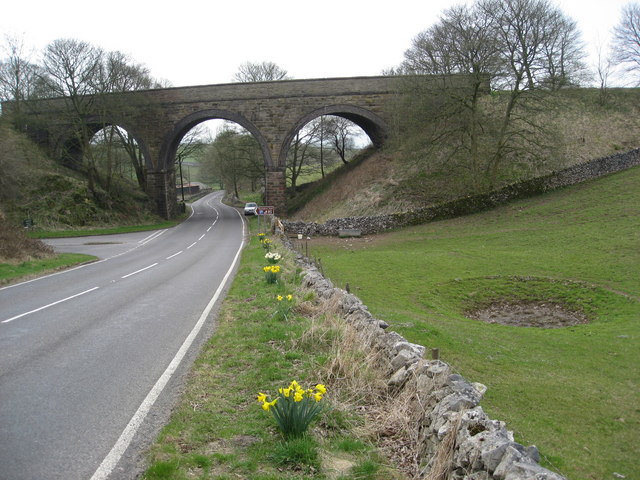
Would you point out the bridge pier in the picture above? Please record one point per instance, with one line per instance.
(275, 190)
(161, 188)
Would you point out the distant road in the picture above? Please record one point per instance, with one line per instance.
(92, 358)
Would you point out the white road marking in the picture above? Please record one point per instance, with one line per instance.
(141, 270)
(191, 245)
(49, 305)
(201, 236)
(121, 445)
(174, 255)
(153, 236)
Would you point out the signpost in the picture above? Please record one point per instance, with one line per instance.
(261, 212)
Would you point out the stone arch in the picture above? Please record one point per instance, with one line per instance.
(172, 141)
(69, 149)
(374, 126)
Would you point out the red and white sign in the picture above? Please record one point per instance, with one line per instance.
(264, 211)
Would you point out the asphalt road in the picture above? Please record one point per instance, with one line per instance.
(92, 358)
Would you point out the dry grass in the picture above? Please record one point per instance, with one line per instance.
(16, 247)
(357, 374)
(443, 459)
(365, 190)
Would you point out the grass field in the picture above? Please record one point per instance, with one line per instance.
(573, 391)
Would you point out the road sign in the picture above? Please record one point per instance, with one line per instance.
(264, 211)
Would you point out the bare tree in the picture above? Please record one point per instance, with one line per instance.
(18, 75)
(604, 68)
(626, 39)
(235, 159)
(260, 72)
(523, 46)
(340, 133)
(301, 153)
(71, 70)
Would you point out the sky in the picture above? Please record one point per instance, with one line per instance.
(201, 42)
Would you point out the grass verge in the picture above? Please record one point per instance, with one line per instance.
(105, 230)
(219, 431)
(11, 273)
(573, 391)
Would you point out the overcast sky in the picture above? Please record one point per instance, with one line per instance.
(196, 42)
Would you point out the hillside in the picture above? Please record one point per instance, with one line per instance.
(409, 174)
(34, 186)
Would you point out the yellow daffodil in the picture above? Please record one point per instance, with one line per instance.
(285, 391)
(262, 397)
(321, 388)
(317, 396)
(279, 297)
(289, 297)
(298, 397)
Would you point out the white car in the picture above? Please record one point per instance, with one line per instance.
(250, 208)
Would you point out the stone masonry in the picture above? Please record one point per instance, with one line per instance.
(271, 111)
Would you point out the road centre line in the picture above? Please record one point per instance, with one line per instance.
(174, 255)
(121, 445)
(141, 270)
(191, 245)
(201, 236)
(49, 305)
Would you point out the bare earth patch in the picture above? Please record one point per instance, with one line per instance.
(529, 314)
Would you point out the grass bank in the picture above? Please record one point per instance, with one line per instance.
(573, 391)
(105, 230)
(14, 272)
(219, 431)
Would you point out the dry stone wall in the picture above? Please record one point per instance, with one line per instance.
(471, 204)
(448, 418)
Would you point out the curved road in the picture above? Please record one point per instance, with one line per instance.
(91, 358)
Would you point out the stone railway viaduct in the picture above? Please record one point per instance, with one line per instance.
(271, 111)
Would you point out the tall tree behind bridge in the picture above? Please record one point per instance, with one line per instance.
(82, 73)
(260, 72)
(18, 75)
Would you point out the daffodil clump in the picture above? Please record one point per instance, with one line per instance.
(285, 304)
(273, 257)
(294, 408)
(271, 273)
(266, 243)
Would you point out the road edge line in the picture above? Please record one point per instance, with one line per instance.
(113, 457)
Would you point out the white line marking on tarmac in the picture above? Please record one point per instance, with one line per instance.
(151, 237)
(138, 271)
(49, 305)
(174, 255)
(121, 445)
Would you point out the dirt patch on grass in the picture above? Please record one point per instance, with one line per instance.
(529, 314)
